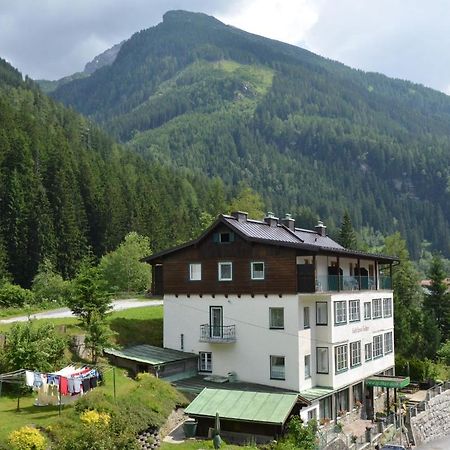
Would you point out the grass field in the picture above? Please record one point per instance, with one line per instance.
(42, 416)
(132, 326)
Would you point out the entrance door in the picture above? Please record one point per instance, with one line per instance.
(216, 321)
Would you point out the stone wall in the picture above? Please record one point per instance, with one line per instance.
(434, 422)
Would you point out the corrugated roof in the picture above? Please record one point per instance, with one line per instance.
(316, 393)
(149, 354)
(243, 406)
(313, 238)
(261, 230)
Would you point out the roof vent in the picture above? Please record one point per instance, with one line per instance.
(321, 229)
(241, 216)
(288, 222)
(271, 220)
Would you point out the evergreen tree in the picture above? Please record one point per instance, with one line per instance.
(347, 235)
(407, 298)
(437, 301)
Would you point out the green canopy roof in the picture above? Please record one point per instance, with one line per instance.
(150, 354)
(244, 406)
(316, 393)
(388, 381)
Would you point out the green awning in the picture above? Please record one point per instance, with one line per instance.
(316, 393)
(388, 381)
(243, 406)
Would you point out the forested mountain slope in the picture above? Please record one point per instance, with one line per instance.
(311, 135)
(66, 188)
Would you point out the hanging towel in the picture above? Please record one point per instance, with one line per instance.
(93, 382)
(29, 378)
(63, 386)
(86, 385)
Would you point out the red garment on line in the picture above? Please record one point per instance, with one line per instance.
(63, 386)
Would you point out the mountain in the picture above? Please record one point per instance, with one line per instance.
(67, 189)
(313, 136)
(104, 59)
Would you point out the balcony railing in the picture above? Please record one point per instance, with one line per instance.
(334, 283)
(217, 334)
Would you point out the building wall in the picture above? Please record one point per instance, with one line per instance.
(280, 268)
(249, 356)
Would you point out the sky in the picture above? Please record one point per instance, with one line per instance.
(402, 39)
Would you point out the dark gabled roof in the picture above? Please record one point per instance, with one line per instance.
(280, 235)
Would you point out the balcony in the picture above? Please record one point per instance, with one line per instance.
(336, 283)
(217, 334)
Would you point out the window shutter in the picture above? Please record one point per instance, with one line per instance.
(216, 237)
(231, 236)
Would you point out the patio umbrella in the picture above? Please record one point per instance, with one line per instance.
(217, 441)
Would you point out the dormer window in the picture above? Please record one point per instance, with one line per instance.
(224, 237)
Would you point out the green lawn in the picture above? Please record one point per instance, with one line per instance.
(132, 326)
(42, 416)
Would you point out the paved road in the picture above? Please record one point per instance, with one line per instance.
(117, 305)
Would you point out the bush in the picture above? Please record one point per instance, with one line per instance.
(299, 436)
(49, 287)
(27, 438)
(14, 296)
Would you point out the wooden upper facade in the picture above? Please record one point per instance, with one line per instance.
(241, 256)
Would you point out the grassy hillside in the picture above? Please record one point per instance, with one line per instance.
(313, 136)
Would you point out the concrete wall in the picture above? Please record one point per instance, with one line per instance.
(249, 356)
(434, 422)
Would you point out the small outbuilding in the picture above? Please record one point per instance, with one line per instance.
(260, 414)
(164, 363)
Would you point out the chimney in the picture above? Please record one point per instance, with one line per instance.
(320, 228)
(241, 216)
(289, 222)
(271, 220)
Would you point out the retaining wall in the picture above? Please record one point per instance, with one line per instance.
(434, 422)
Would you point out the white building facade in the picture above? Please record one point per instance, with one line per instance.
(283, 307)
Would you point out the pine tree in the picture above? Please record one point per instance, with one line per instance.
(347, 236)
(437, 302)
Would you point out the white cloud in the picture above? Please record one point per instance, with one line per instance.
(284, 20)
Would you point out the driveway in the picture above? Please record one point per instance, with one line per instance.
(117, 305)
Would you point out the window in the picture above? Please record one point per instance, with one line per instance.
(388, 342)
(340, 312)
(353, 311)
(377, 346)
(376, 308)
(195, 272)
(368, 351)
(367, 310)
(355, 353)
(387, 307)
(306, 323)
(312, 414)
(276, 318)
(257, 269)
(205, 362)
(225, 271)
(307, 366)
(224, 237)
(340, 354)
(322, 359)
(342, 403)
(277, 367)
(321, 313)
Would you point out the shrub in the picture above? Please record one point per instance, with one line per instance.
(49, 287)
(27, 438)
(12, 295)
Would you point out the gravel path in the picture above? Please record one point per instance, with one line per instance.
(117, 305)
